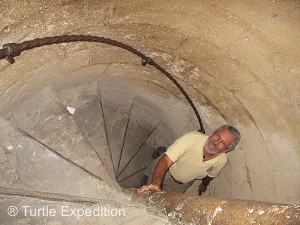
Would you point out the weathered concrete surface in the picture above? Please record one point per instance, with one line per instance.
(84, 98)
(26, 164)
(239, 63)
(45, 118)
(182, 209)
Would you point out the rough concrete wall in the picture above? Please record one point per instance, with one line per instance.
(237, 61)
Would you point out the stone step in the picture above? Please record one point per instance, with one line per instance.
(47, 195)
(116, 110)
(84, 99)
(45, 118)
(142, 157)
(28, 165)
(142, 119)
(32, 210)
(133, 180)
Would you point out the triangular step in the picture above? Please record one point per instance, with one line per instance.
(32, 210)
(45, 118)
(47, 195)
(85, 101)
(142, 123)
(130, 177)
(134, 179)
(116, 109)
(26, 164)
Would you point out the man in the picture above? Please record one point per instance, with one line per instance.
(192, 156)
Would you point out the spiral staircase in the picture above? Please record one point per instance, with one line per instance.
(77, 147)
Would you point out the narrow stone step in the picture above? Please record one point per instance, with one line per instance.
(28, 165)
(142, 157)
(45, 118)
(116, 107)
(142, 123)
(85, 100)
(47, 195)
(134, 180)
(31, 210)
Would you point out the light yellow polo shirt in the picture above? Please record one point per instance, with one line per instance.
(187, 155)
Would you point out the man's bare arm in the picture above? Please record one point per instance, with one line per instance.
(158, 175)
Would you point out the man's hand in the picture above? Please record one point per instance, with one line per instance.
(154, 187)
(158, 175)
(202, 189)
(204, 184)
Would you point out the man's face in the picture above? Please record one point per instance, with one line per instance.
(218, 142)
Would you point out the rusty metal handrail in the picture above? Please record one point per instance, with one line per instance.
(12, 50)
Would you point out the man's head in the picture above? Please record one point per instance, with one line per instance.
(224, 139)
